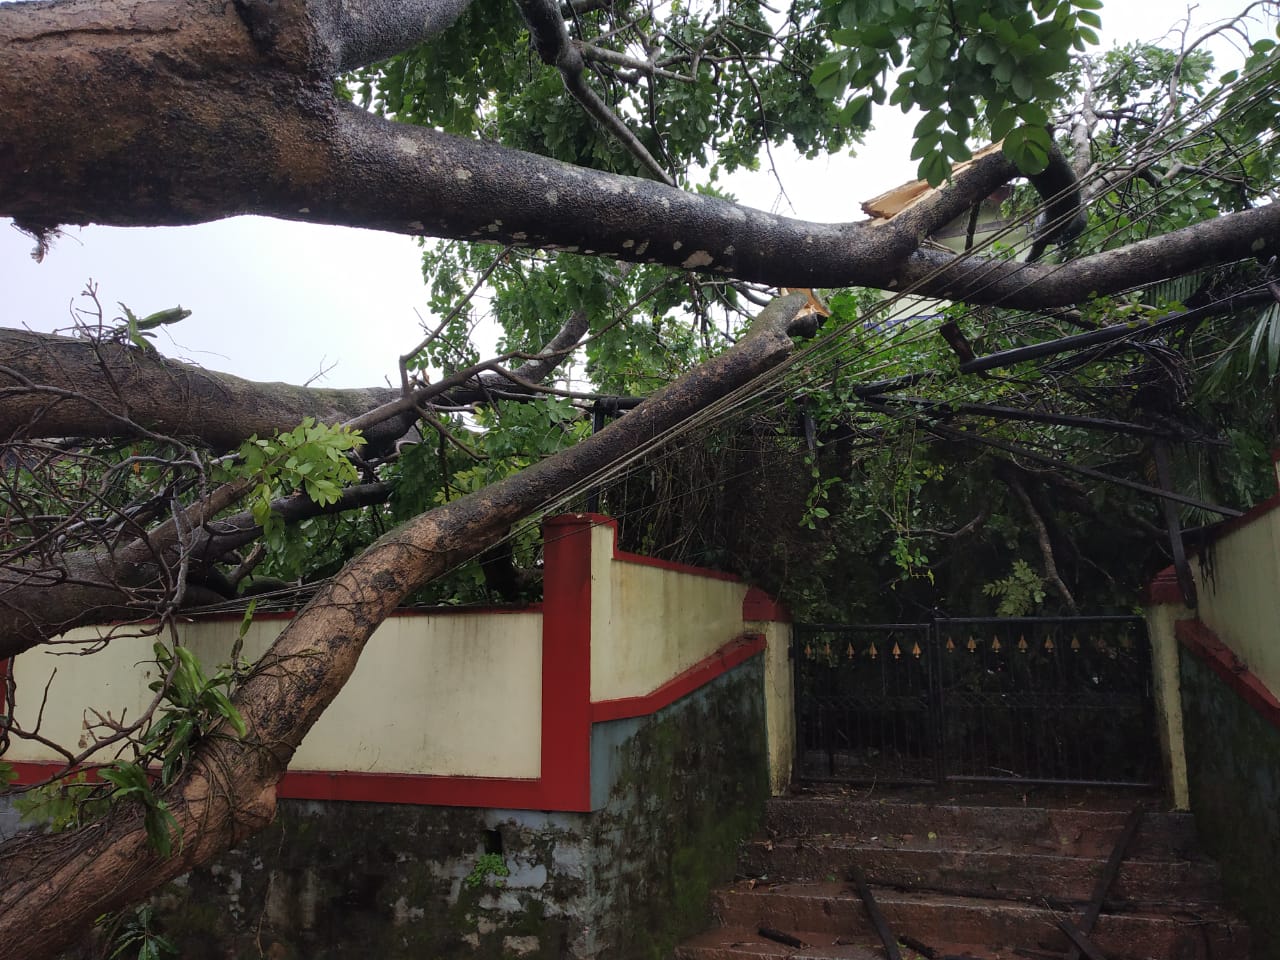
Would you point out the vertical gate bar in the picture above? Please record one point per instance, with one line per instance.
(798, 697)
(937, 707)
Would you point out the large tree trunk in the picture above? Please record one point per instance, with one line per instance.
(179, 111)
(53, 386)
(53, 886)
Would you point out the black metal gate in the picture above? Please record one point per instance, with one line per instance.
(1031, 699)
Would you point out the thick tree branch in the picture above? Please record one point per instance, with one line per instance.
(360, 32)
(159, 394)
(1245, 235)
(322, 161)
(218, 538)
(145, 391)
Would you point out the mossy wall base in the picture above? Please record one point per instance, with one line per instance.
(674, 793)
(1233, 765)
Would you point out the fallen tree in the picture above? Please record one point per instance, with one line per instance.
(185, 111)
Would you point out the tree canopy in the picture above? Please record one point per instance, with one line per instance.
(1089, 307)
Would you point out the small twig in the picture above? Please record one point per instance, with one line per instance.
(551, 39)
(779, 937)
(449, 318)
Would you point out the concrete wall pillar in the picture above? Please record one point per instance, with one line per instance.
(1165, 608)
(762, 614)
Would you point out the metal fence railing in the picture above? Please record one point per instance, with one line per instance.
(1027, 699)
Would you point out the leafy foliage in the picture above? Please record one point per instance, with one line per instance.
(133, 935)
(960, 62)
(130, 782)
(192, 705)
(311, 457)
(1019, 593)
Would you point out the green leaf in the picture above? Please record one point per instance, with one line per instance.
(923, 146)
(955, 147)
(1028, 148)
(934, 168)
(228, 710)
(828, 83)
(1002, 122)
(161, 827)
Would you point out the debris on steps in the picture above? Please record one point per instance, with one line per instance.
(989, 876)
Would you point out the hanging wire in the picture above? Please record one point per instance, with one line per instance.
(774, 390)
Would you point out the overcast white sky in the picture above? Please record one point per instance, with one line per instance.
(273, 300)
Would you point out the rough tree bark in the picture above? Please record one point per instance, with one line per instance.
(52, 886)
(52, 386)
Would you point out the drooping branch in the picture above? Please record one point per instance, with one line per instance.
(1009, 475)
(1063, 217)
(52, 886)
(1245, 235)
(472, 191)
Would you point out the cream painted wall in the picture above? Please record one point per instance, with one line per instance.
(1239, 588)
(1167, 688)
(452, 694)
(780, 702)
(649, 624)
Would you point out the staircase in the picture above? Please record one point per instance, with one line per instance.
(985, 874)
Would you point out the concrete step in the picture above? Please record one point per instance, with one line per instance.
(741, 943)
(951, 865)
(732, 943)
(1204, 933)
(1077, 831)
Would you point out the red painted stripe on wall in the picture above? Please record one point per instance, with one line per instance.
(1164, 588)
(566, 662)
(1196, 636)
(758, 605)
(622, 556)
(349, 785)
(362, 786)
(500, 793)
(27, 772)
(699, 675)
